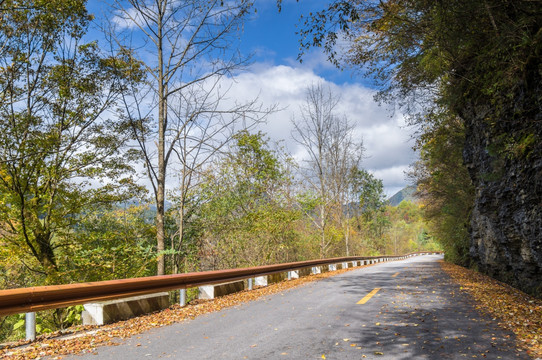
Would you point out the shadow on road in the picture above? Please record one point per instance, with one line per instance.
(420, 314)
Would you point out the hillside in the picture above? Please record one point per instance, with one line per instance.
(405, 194)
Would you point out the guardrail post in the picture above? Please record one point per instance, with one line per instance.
(182, 297)
(250, 284)
(30, 326)
(260, 280)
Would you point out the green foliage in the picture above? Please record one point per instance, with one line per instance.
(114, 243)
(454, 52)
(12, 328)
(106, 243)
(55, 145)
(370, 192)
(445, 186)
(246, 216)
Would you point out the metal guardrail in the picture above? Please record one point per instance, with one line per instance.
(32, 299)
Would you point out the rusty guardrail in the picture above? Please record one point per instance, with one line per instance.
(32, 299)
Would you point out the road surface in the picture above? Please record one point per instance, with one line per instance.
(406, 309)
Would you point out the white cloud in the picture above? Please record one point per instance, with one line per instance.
(386, 139)
(392, 177)
(127, 19)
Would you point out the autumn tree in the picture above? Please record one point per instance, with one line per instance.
(246, 215)
(332, 153)
(444, 185)
(179, 110)
(369, 208)
(56, 143)
(113, 243)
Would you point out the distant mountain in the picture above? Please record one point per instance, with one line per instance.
(405, 194)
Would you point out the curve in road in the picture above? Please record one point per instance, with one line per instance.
(406, 309)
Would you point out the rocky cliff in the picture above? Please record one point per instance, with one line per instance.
(503, 154)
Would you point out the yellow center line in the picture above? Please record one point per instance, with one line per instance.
(368, 296)
(394, 275)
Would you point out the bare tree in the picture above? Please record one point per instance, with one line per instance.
(200, 140)
(186, 47)
(344, 154)
(332, 153)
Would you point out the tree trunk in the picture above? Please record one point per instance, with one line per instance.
(346, 239)
(185, 183)
(160, 186)
(323, 232)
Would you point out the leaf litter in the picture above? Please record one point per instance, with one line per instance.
(511, 308)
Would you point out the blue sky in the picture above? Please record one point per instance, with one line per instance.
(271, 37)
(280, 79)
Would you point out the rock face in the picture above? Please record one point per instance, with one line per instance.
(503, 154)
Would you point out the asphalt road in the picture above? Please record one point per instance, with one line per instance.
(418, 313)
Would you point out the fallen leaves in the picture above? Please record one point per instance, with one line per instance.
(514, 310)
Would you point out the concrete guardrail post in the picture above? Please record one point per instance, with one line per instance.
(260, 281)
(294, 274)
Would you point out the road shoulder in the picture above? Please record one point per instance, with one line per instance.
(511, 308)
